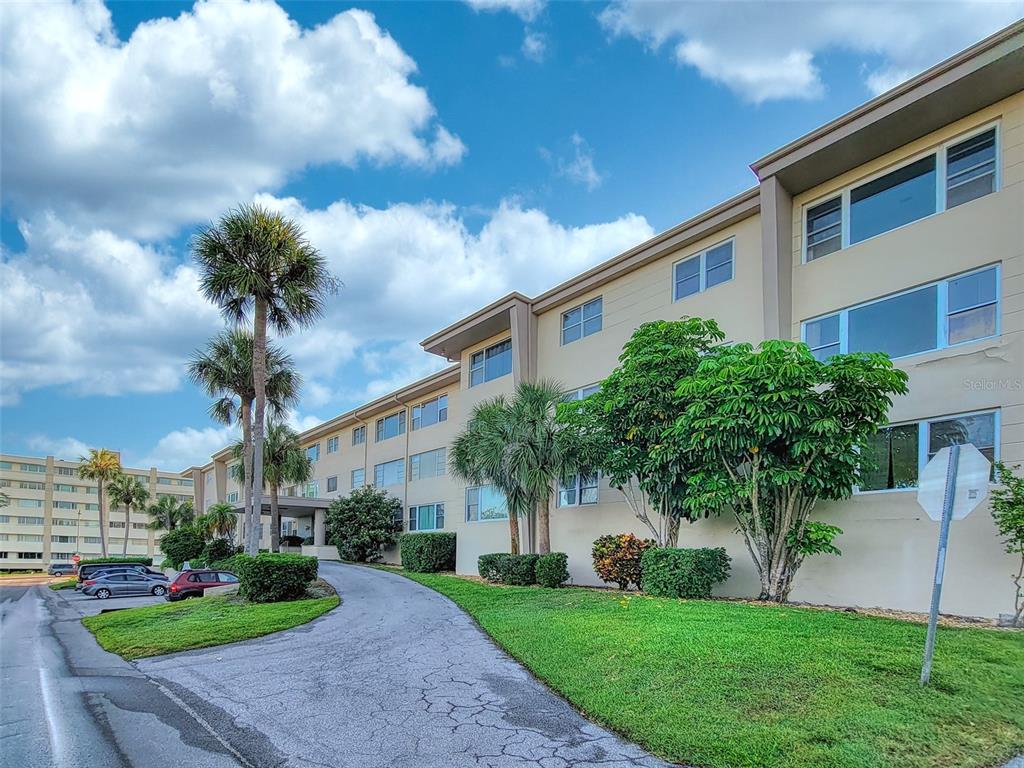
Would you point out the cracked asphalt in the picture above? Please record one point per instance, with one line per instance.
(397, 676)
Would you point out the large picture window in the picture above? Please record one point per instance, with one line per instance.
(485, 502)
(490, 363)
(389, 473)
(431, 412)
(391, 426)
(427, 464)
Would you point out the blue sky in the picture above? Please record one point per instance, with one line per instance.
(439, 154)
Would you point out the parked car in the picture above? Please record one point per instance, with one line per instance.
(124, 584)
(145, 572)
(90, 570)
(59, 569)
(195, 583)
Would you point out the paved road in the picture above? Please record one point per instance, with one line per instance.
(396, 677)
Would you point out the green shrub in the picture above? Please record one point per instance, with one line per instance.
(216, 549)
(427, 552)
(363, 523)
(182, 544)
(235, 563)
(271, 578)
(690, 573)
(617, 558)
(552, 569)
(129, 559)
(503, 568)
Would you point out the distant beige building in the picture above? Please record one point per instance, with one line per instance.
(53, 514)
(897, 227)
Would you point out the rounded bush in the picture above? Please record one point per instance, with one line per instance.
(689, 573)
(128, 559)
(181, 545)
(427, 552)
(617, 558)
(271, 578)
(503, 568)
(552, 569)
(217, 549)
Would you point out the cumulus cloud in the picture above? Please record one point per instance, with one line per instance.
(527, 10)
(535, 46)
(767, 51)
(579, 167)
(183, 448)
(68, 448)
(191, 114)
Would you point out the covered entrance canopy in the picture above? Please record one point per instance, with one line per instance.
(309, 510)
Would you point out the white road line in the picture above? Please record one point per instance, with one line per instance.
(53, 722)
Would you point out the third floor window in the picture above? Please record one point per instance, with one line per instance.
(490, 363)
(391, 426)
(582, 320)
(430, 412)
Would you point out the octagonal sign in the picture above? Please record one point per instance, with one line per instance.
(972, 480)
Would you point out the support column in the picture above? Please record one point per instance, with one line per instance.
(777, 259)
(319, 535)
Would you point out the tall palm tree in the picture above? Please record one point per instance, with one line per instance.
(220, 520)
(284, 463)
(224, 370)
(102, 465)
(258, 260)
(130, 494)
(168, 513)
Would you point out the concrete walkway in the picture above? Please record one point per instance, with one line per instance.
(396, 677)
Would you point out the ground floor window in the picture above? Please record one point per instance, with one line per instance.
(900, 451)
(485, 502)
(580, 489)
(426, 517)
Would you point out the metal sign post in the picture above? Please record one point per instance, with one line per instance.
(940, 561)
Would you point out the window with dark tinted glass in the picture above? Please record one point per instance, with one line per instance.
(902, 325)
(971, 168)
(391, 426)
(905, 195)
(490, 363)
(824, 228)
(891, 459)
(822, 336)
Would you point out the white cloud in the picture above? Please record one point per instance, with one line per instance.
(527, 10)
(766, 51)
(68, 448)
(579, 168)
(185, 448)
(535, 46)
(192, 114)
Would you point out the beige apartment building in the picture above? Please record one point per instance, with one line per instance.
(897, 227)
(53, 514)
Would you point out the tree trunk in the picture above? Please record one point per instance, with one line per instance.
(259, 381)
(544, 526)
(275, 520)
(513, 532)
(245, 411)
(103, 518)
(127, 524)
(672, 535)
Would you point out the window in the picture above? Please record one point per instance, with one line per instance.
(63, 521)
(40, 468)
(226, 578)
(29, 555)
(233, 471)
(391, 426)
(117, 523)
(61, 555)
(311, 489)
(64, 488)
(91, 539)
(139, 526)
(332, 484)
(967, 169)
(332, 445)
(5, 518)
(233, 497)
(313, 452)
(359, 435)
(961, 309)
(426, 517)
(33, 538)
(186, 483)
(65, 471)
(389, 473)
(581, 489)
(899, 452)
(491, 363)
(63, 539)
(5, 465)
(582, 321)
(29, 503)
(582, 392)
(427, 464)
(485, 503)
(702, 271)
(30, 486)
(430, 412)
(164, 481)
(22, 520)
(358, 478)
(92, 507)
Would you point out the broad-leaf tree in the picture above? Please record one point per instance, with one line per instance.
(168, 514)
(224, 370)
(128, 493)
(1008, 513)
(220, 520)
(102, 465)
(361, 524)
(255, 260)
(619, 430)
(771, 430)
(284, 463)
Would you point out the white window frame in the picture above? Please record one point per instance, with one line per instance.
(332, 444)
(940, 151)
(703, 273)
(575, 395)
(923, 435)
(416, 460)
(359, 435)
(417, 412)
(335, 488)
(410, 516)
(465, 507)
(483, 362)
(578, 487)
(379, 426)
(399, 481)
(941, 316)
(580, 307)
(352, 478)
(233, 497)
(315, 448)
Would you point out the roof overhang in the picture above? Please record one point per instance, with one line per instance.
(972, 80)
(290, 506)
(481, 325)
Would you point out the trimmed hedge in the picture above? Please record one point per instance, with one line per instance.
(689, 573)
(503, 568)
(552, 569)
(427, 552)
(129, 559)
(271, 578)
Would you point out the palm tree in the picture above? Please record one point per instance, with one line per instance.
(168, 513)
(224, 370)
(220, 520)
(102, 465)
(259, 260)
(130, 494)
(284, 463)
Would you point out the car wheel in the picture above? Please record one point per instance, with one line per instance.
(102, 594)
(159, 591)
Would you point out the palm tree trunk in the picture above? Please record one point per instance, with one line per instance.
(127, 524)
(245, 413)
(275, 520)
(513, 531)
(544, 526)
(259, 381)
(103, 518)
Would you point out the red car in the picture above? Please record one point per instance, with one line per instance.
(195, 583)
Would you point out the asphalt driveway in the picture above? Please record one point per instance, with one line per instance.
(397, 676)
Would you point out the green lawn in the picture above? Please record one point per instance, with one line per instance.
(64, 584)
(726, 684)
(198, 623)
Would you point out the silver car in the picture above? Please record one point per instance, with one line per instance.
(125, 584)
